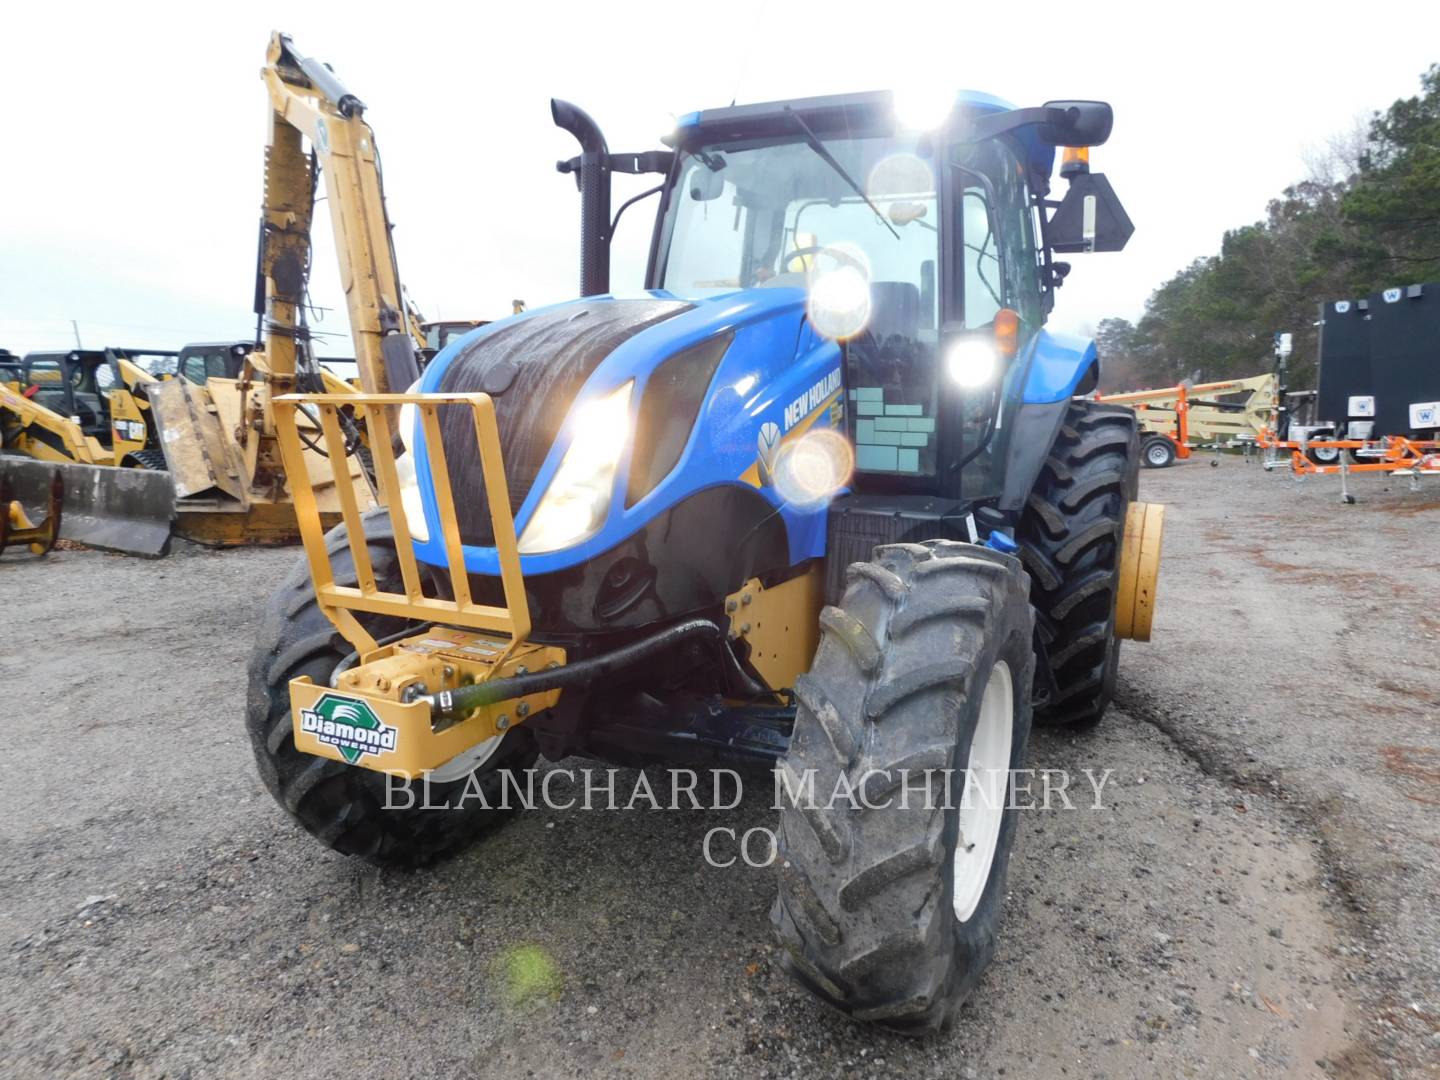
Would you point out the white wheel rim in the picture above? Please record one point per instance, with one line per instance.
(1159, 454)
(466, 762)
(987, 785)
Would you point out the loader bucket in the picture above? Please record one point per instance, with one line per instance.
(124, 510)
(199, 456)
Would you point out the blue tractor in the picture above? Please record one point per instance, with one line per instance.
(825, 495)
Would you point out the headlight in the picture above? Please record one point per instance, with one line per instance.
(973, 362)
(411, 505)
(575, 504)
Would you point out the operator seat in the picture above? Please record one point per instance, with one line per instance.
(886, 348)
(894, 388)
(894, 311)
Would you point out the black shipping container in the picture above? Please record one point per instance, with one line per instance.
(1404, 354)
(1344, 360)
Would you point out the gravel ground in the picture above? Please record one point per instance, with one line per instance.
(1256, 897)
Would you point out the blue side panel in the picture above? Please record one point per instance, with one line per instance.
(1056, 367)
(775, 372)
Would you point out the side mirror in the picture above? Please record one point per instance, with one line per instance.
(1084, 123)
(903, 213)
(706, 184)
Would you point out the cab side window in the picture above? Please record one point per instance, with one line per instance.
(1017, 231)
(200, 367)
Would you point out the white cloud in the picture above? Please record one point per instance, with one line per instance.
(134, 132)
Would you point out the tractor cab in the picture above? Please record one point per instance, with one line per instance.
(199, 363)
(924, 246)
(70, 384)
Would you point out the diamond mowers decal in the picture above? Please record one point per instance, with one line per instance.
(349, 725)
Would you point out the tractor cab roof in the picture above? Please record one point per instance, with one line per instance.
(873, 110)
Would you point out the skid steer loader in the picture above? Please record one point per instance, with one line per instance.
(86, 416)
(822, 496)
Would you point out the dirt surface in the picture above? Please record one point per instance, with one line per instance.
(1257, 895)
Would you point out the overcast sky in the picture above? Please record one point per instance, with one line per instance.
(133, 132)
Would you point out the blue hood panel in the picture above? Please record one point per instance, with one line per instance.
(776, 372)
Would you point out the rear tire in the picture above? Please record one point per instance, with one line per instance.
(344, 806)
(871, 897)
(1070, 535)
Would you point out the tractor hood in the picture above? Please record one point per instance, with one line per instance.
(683, 395)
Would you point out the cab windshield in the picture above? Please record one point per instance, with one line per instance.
(766, 213)
(856, 221)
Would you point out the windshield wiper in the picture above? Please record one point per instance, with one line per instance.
(815, 144)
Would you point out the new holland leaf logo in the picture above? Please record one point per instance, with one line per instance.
(349, 725)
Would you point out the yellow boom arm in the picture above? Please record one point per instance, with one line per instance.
(308, 103)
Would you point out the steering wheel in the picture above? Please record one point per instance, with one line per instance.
(843, 257)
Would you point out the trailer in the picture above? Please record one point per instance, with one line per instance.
(1175, 420)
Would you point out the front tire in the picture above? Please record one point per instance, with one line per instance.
(343, 806)
(889, 910)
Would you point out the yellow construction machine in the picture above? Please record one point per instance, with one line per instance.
(209, 436)
(83, 406)
(81, 421)
(221, 439)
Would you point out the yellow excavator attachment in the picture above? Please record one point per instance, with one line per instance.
(124, 510)
(219, 446)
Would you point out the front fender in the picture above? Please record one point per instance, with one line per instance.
(1058, 364)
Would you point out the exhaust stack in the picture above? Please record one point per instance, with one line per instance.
(593, 166)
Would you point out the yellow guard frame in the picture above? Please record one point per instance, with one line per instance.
(340, 602)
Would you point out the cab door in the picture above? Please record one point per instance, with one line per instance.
(999, 269)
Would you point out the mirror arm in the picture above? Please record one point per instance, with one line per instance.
(615, 222)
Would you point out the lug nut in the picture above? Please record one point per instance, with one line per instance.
(746, 598)
(523, 709)
(730, 605)
(502, 722)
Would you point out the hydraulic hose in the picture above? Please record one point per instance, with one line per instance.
(449, 704)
